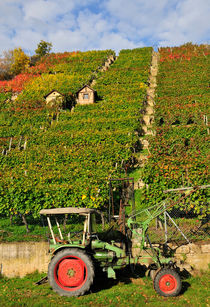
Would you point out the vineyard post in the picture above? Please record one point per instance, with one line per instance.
(205, 118)
(10, 144)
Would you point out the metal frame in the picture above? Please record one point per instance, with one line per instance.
(81, 211)
(111, 199)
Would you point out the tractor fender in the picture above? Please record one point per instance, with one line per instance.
(54, 251)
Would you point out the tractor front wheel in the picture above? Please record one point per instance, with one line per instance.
(71, 272)
(167, 282)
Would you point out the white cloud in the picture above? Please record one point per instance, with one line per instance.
(189, 22)
(27, 39)
(67, 40)
(116, 41)
(171, 22)
(101, 24)
(47, 10)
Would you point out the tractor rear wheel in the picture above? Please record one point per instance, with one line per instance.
(71, 272)
(167, 282)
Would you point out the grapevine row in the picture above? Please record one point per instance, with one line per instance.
(179, 152)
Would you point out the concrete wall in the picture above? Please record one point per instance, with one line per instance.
(21, 258)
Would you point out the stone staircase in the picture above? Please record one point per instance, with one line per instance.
(148, 117)
(110, 60)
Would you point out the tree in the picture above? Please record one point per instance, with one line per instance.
(20, 61)
(5, 65)
(43, 48)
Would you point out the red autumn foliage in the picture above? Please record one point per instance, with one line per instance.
(38, 69)
(16, 85)
(185, 52)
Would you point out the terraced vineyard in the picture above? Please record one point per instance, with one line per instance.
(67, 162)
(179, 152)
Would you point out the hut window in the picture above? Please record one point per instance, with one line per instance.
(85, 96)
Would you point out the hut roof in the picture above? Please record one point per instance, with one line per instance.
(52, 92)
(84, 87)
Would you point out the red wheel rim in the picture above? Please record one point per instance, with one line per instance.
(167, 283)
(70, 273)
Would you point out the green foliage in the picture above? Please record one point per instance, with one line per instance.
(13, 63)
(67, 161)
(3, 98)
(43, 48)
(20, 61)
(65, 72)
(17, 232)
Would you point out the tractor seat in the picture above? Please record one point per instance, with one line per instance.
(58, 240)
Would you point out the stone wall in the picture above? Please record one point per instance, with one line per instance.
(193, 257)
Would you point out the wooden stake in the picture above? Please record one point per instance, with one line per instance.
(25, 222)
(188, 188)
(25, 144)
(10, 144)
(19, 144)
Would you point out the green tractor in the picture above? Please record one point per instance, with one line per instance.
(77, 256)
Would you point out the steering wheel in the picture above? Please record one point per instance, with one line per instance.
(75, 233)
(109, 230)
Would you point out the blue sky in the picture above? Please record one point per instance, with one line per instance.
(102, 24)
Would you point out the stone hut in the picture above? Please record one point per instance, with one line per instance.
(54, 98)
(86, 95)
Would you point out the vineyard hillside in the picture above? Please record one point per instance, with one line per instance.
(58, 157)
(54, 157)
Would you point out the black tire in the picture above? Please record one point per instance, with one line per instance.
(167, 282)
(71, 272)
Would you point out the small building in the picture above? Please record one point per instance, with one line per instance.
(86, 95)
(54, 98)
